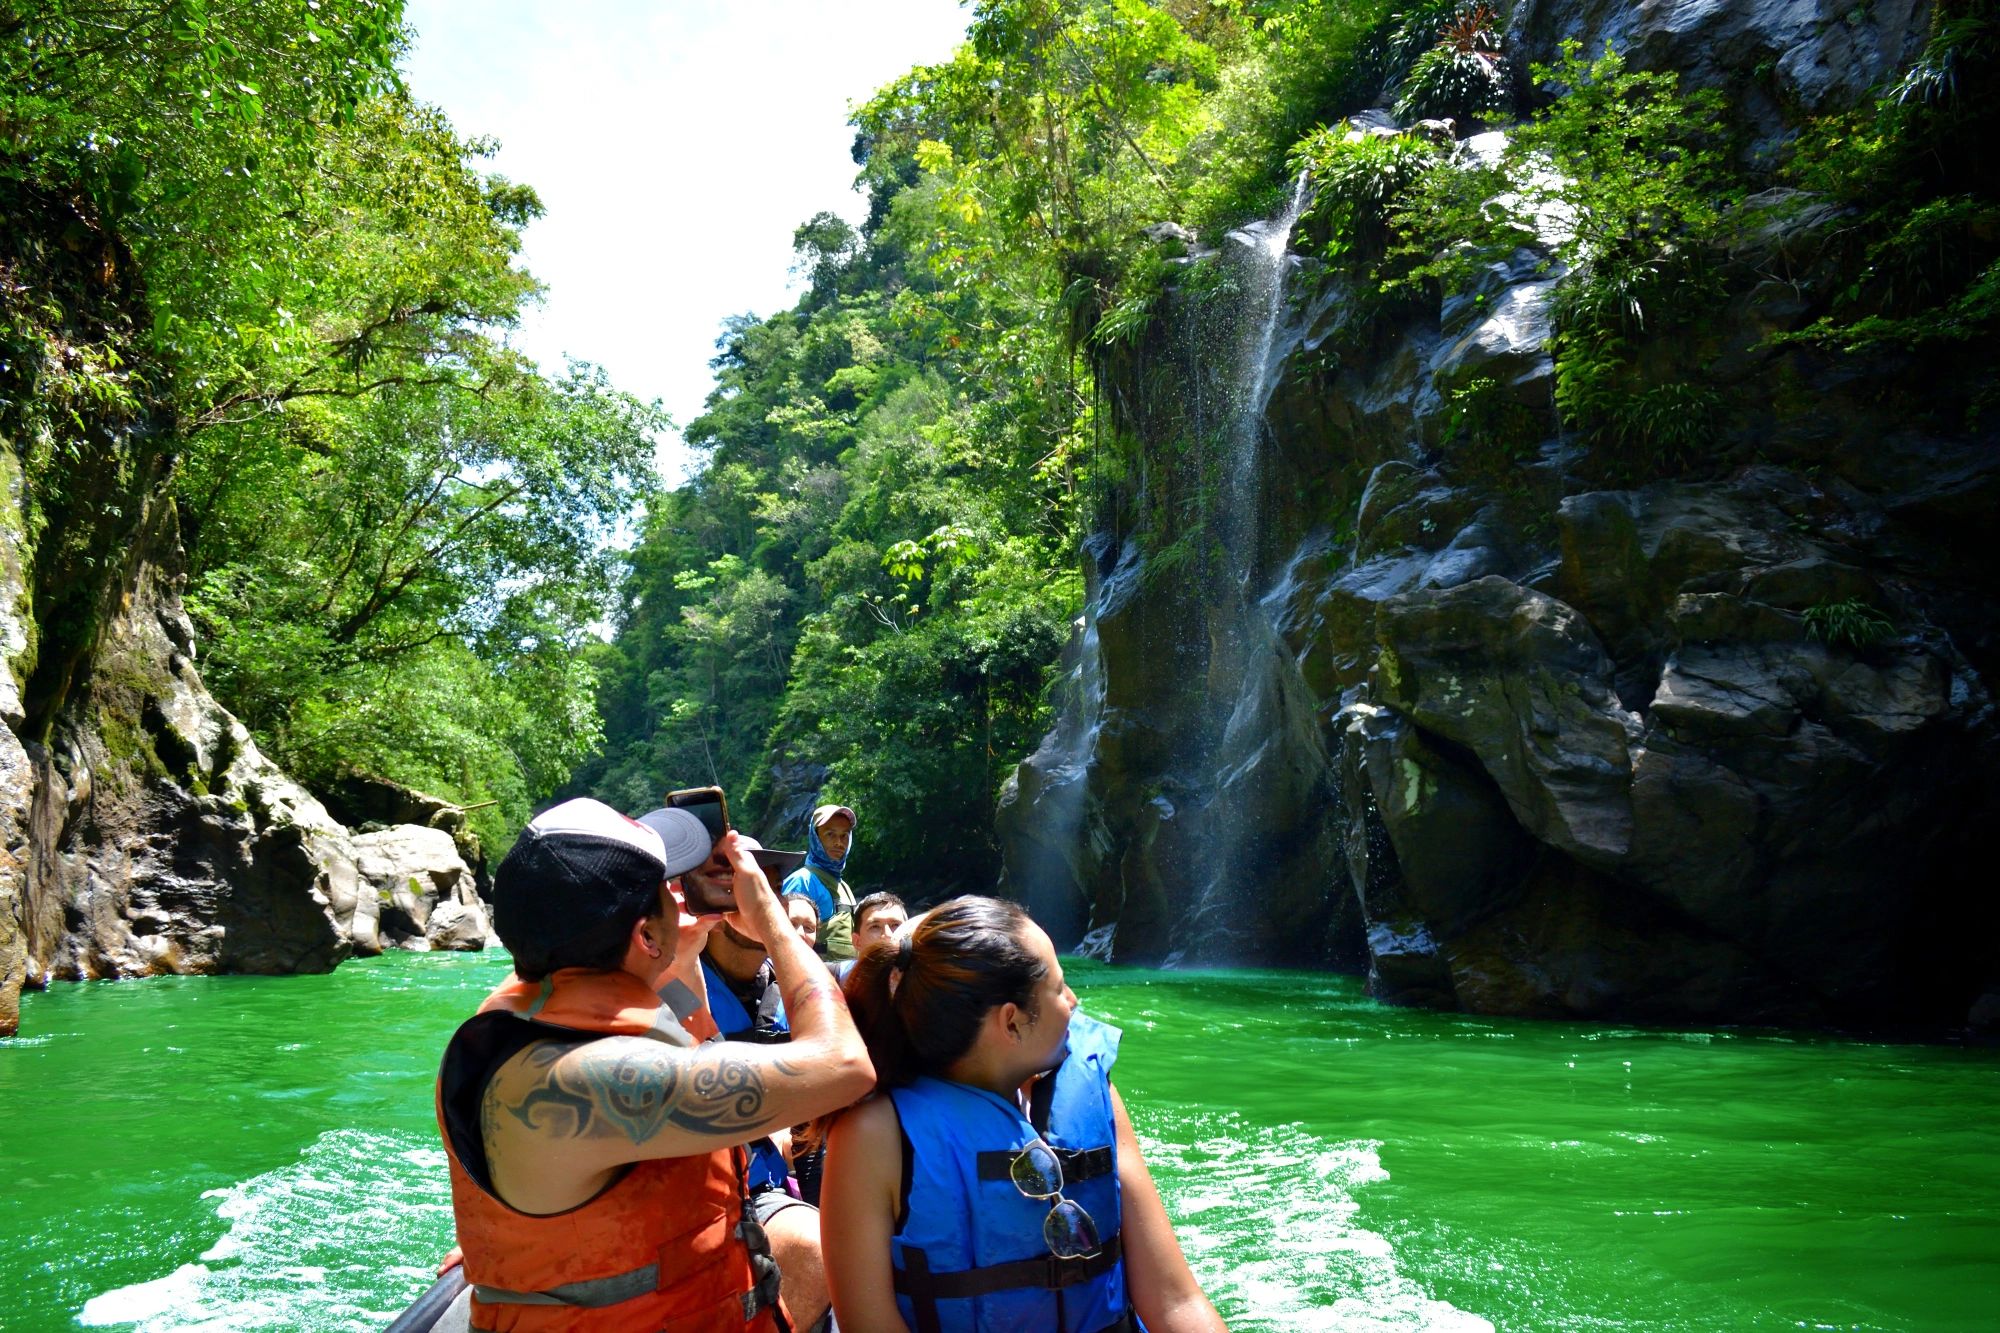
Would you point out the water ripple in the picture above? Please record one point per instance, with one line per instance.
(318, 1246)
(1288, 1198)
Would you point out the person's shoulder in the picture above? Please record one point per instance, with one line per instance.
(798, 878)
(871, 1128)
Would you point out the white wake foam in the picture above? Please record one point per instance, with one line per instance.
(338, 1241)
(1267, 1219)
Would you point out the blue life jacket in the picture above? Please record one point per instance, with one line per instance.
(968, 1252)
(768, 1167)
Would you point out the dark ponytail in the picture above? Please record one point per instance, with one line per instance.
(960, 961)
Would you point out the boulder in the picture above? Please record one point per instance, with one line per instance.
(368, 803)
(1518, 679)
(458, 926)
(1459, 853)
(410, 870)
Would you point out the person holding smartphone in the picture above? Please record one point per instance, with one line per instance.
(595, 1134)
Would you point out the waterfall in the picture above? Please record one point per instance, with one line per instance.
(1262, 259)
(1053, 787)
(1261, 711)
(1076, 731)
(1161, 824)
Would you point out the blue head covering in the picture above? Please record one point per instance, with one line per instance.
(816, 851)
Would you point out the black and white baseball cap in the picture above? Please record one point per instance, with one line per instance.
(571, 881)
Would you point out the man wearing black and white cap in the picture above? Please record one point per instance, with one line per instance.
(594, 1135)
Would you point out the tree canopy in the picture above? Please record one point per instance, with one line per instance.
(398, 532)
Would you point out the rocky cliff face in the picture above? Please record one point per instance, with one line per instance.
(149, 835)
(1532, 740)
(141, 830)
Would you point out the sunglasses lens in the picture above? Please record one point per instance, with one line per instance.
(1070, 1232)
(1037, 1173)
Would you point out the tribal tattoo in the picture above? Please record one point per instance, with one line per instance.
(635, 1089)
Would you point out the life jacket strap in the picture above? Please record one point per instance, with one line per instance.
(1077, 1164)
(589, 1294)
(763, 1294)
(598, 1292)
(1048, 1273)
(837, 888)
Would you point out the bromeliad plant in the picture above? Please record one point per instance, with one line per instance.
(1461, 77)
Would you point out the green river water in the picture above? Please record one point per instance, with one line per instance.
(258, 1153)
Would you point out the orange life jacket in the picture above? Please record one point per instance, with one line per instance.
(667, 1248)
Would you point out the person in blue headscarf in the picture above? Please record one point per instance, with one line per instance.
(828, 840)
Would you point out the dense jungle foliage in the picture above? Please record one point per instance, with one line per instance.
(398, 532)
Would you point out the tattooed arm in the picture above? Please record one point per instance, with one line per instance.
(560, 1119)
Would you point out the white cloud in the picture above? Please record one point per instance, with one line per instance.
(675, 145)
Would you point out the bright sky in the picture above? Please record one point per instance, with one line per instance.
(675, 145)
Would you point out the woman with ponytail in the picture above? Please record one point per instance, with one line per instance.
(993, 1184)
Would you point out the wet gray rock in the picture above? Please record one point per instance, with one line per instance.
(1519, 679)
(1507, 337)
(1777, 58)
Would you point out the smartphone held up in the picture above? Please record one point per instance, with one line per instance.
(708, 894)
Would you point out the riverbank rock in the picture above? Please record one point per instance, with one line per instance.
(167, 840)
(367, 804)
(141, 830)
(459, 926)
(426, 895)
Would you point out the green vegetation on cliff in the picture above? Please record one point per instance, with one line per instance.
(874, 566)
(395, 528)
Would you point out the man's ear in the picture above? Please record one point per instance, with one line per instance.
(642, 937)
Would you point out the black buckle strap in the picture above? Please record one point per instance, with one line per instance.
(1077, 1164)
(765, 1284)
(1047, 1272)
